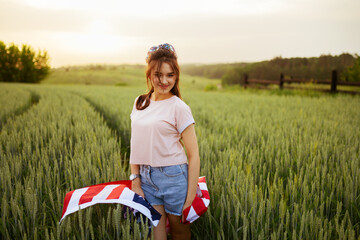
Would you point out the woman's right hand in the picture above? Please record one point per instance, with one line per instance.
(136, 187)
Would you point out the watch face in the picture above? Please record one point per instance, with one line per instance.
(133, 176)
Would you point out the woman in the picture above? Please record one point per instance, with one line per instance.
(161, 126)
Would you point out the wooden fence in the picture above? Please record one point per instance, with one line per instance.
(246, 82)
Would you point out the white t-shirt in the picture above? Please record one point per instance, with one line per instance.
(155, 132)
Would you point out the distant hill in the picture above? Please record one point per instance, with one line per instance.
(98, 74)
(119, 75)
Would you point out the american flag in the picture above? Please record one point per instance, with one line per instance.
(200, 204)
(111, 192)
(120, 192)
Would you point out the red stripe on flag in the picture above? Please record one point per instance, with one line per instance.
(202, 179)
(66, 201)
(125, 182)
(205, 194)
(90, 194)
(199, 206)
(116, 192)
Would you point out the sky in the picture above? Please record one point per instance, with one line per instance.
(76, 32)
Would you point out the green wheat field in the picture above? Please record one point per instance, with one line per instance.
(278, 166)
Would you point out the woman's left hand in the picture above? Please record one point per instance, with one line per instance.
(186, 205)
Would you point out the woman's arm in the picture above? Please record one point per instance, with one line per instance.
(136, 183)
(192, 150)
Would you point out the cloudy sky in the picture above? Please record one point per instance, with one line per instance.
(202, 31)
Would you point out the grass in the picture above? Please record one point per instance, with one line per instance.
(277, 166)
(280, 164)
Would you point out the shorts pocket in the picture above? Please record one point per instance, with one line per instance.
(172, 171)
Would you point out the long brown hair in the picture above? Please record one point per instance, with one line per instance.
(155, 60)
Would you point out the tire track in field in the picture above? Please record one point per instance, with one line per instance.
(122, 135)
(34, 99)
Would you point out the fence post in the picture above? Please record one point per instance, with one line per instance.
(333, 81)
(281, 83)
(245, 80)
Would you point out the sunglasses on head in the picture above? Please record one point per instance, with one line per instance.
(166, 46)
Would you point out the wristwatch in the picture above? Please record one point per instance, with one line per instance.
(134, 176)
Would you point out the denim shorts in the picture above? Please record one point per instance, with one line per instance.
(165, 186)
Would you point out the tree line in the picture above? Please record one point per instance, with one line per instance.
(314, 68)
(210, 70)
(22, 64)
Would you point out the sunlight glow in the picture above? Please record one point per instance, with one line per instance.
(62, 5)
(161, 8)
(92, 43)
(99, 27)
(81, 31)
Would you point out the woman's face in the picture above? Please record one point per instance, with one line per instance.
(163, 80)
